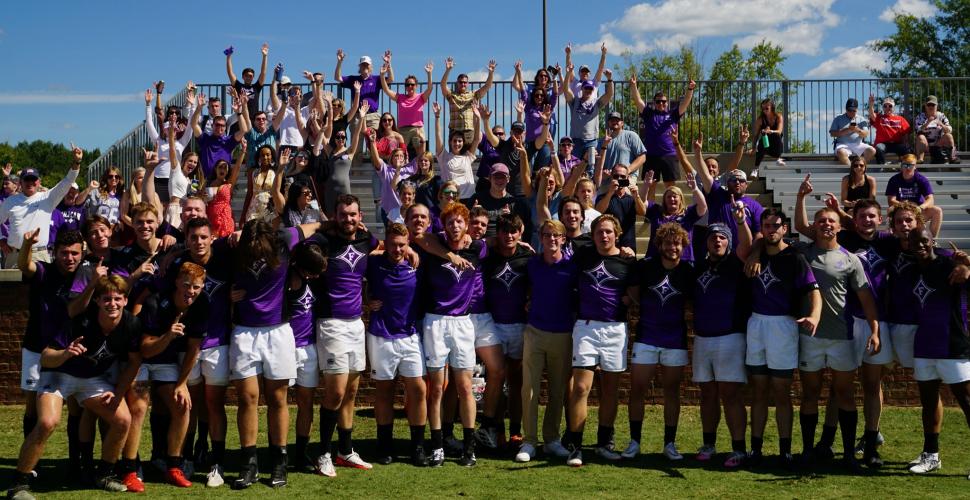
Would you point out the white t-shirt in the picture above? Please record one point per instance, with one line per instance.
(458, 168)
(289, 133)
(26, 214)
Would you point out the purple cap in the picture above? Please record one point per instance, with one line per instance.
(30, 172)
(588, 84)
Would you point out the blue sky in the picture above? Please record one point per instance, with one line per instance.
(75, 71)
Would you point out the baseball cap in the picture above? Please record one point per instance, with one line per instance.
(285, 80)
(364, 60)
(499, 168)
(852, 104)
(565, 139)
(931, 99)
(614, 114)
(889, 100)
(737, 174)
(30, 172)
(588, 84)
(584, 68)
(518, 125)
(75, 186)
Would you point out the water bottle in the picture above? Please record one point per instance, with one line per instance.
(764, 140)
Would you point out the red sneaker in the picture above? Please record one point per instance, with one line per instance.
(133, 483)
(515, 441)
(175, 477)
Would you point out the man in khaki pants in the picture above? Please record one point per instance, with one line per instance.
(547, 342)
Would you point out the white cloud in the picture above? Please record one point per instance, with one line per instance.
(480, 75)
(916, 8)
(853, 60)
(14, 98)
(669, 24)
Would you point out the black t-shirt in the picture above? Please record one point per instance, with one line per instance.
(158, 313)
(510, 157)
(102, 349)
(252, 91)
(496, 206)
(625, 210)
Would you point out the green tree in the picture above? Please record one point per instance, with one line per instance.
(52, 160)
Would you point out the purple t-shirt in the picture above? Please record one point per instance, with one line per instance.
(902, 275)
(942, 313)
(663, 296)
(875, 256)
(655, 129)
(450, 290)
(396, 286)
(338, 289)
(50, 292)
(722, 293)
(553, 302)
(507, 285)
(265, 286)
(603, 281)
(300, 303)
(915, 190)
(370, 89)
(720, 210)
(73, 217)
(785, 277)
(213, 148)
(656, 218)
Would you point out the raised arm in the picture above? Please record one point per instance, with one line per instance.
(24, 261)
(237, 165)
(600, 70)
(801, 216)
(542, 199)
(361, 123)
(428, 69)
(743, 137)
(445, 91)
(707, 180)
(279, 201)
(872, 108)
(569, 187)
(337, 74)
(229, 72)
(438, 143)
(700, 202)
(387, 90)
(567, 91)
(476, 130)
(635, 92)
(148, 183)
(745, 238)
(600, 162)
(390, 68)
(605, 99)
(243, 123)
(196, 115)
(480, 93)
(150, 117)
(355, 104)
(687, 98)
(375, 157)
(557, 169)
(517, 79)
(262, 65)
(525, 170)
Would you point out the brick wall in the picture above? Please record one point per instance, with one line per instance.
(899, 389)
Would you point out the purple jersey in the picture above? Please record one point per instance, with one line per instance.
(915, 190)
(785, 277)
(942, 312)
(902, 274)
(719, 210)
(158, 313)
(655, 127)
(50, 291)
(656, 218)
(73, 217)
(338, 289)
(603, 280)
(300, 304)
(450, 289)
(507, 285)
(478, 305)
(103, 349)
(396, 286)
(218, 284)
(722, 297)
(265, 286)
(875, 256)
(552, 305)
(663, 297)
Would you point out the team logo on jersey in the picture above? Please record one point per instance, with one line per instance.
(350, 256)
(211, 286)
(454, 270)
(871, 258)
(706, 279)
(665, 290)
(901, 263)
(922, 291)
(256, 268)
(600, 274)
(306, 300)
(767, 278)
(507, 276)
(101, 354)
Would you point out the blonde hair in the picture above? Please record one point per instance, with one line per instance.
(682, 207)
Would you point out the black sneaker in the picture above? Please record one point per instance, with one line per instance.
(304, 463)
(385, 459)
(807, 459)
(873, 461)
(788, 461)
(823, 453)
(754, 458)
(278, 478)
(468, 459)
(437, 457)
(852, 465)
(418, 458)
(110, 483)
(248, 476)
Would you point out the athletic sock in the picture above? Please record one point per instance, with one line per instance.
(159, 423)
(515, 428)
(299, 448)
(737, 445)
(808, 422)
(828, 436)
(328, 422)
(126, 465)
(203, 438)
(757, 443)
(73, 441)
(345, 444)
(468, 438)
(218, 452)
(670, 434)
(447, 429)
(171, 462)
(931, 442)
(636, 430)
(848, 420)
(710, 439)
(498, 424)
(104, 469)
(29, 422)
(86, 455)
(574, 438)
(417, 436)
(437, 439)
(870, 438)
(248, 458)
(603, 435)
(385, 438)
(187, 443)
(784, 446)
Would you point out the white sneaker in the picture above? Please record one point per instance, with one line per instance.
(928, 462)
(556, 449)
(705, 453)
(575, 458)
(632, 450)
(754, 173)
(607, 454)
(670, 451)
(780, 162)
(353, 461)
(325, 466)
(215, 478)
(526, 453)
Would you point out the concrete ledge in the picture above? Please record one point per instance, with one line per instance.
(10, 275)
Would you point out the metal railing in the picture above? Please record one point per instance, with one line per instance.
(718, 110)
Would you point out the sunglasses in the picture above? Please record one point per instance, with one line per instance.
(551, 235)
(410, 84)
(463, 82)
(307, 193)
(450, 192)
(112, 176)
(738, 181)
(500, 134)
(909, 165)
(619, 177)
(887, 106)
(931, 105)
(660, 101)
(341, 137)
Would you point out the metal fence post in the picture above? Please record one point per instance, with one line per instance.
(784, 98)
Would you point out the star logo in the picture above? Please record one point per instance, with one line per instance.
(454, 270)
(665, 290)
(351, 257)
(507, 276)
(306, 300)
(706, 279)
(767, 278)
(101, 354)
(922, 291)
(600, 274)
(211, 286)
(256, 268)
(871, 258)
(901, 263)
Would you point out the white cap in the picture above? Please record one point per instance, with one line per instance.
(285, 80)
(364, 60)
(75, 186)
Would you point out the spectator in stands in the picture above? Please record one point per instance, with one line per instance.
(910, 185)
(858, 185)
(461, 100)
(892, 130)
(657, 120)
(539, 109)
(584, 75)
(547, 81)
(219, 193)
(850, 131)
(31, 209)
(105, 198)
(247, 86)
(584, 109)
(934, 134)
(410, 109)
(497, 200)
(508, 149)
(620, 147)
(622, 200)
(456, 161)
(771, 125)
(262, 132)
(426, 182)
(370, 85)
(341, 118)
(163, 171)
(218, 144)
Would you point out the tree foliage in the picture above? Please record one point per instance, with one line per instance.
(937, 46)
(52, 160)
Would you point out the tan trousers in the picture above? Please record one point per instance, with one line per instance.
(552, 352)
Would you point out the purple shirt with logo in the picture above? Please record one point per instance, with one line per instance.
(338, 289)
(719, 210)
(370, 90)
(603, 281)
(942, 312)
(915, 190)
(450, 290)
(300, 303)
(265, 286)
(218, 283)
(663, 296)
(785, 277)
(507, 285)
(655, 129)
(722, 292)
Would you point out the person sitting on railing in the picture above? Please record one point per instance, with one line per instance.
(456, 162)
(584, 107)
(910, 185)
(858, 185)
(410, 108)
(217, 145)
(656, 122)
(620, 147)
(370, 90)
(770, 124)
(577, 86)
(850, 131)
(892, 130)
(247, 86)
(461, 100)
(934, 134)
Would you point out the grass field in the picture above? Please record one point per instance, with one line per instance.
(651, 475)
